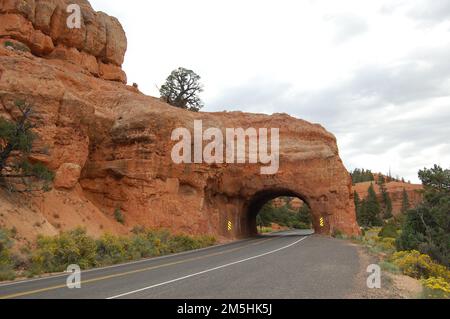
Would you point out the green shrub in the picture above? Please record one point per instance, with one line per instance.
(386, 245)
(337, 233)
(141, 247)
(119, 216)
(426, 227)
(6, 261)
(16, 46)
(284, 216)
(181, 243)
(159, 239)
(55, 254)
(389, 230)
(112, 250)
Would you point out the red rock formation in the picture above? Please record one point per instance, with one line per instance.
(395, 191)
(98, 46)
(121, 139)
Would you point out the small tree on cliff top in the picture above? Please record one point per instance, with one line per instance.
(181, 90)
(16, 142)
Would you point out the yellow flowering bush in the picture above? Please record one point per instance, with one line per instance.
(413, 263)
(54, 254)
(386, 244)
(417, 265)
(436, 287)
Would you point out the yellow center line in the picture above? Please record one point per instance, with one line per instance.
(32, 292)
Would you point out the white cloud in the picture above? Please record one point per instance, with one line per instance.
(376, 73)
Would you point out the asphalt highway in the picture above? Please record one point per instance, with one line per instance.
(284, 265)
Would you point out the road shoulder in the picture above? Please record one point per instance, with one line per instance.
(393, 286)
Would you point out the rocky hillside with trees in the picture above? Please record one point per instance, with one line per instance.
(392, 194)
(415, 242)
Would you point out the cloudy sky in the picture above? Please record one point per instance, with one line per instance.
(374, 73)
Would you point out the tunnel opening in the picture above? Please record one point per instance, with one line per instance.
(277, 210)
(284, 213)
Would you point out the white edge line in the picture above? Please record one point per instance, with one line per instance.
(59, 275)
(207, 270)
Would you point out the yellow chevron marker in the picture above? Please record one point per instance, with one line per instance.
(322, 222)
(230, 226)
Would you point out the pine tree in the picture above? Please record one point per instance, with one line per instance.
(427, 226)
(386, 198)
(372, 208)
(361, 175)
(388, 208)
(405, 202)
(361, 214)
(360, 207)
(182, 89)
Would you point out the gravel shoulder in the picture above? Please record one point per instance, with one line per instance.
(393, 286)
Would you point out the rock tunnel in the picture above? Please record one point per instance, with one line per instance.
(219, 199)
(254, 205)
(330, 211)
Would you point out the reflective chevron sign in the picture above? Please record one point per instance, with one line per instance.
(322, 222)
(230, 226)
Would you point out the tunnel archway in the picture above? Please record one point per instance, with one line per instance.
(285, 214)
(259, 199)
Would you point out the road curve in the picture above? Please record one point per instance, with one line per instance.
(278, 266)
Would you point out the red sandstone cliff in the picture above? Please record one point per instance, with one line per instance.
(110, 146)
(395, 191)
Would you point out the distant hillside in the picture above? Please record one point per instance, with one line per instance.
(395, 191)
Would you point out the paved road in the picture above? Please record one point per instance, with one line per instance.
(283, 265)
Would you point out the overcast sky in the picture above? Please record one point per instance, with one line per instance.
(374, 73)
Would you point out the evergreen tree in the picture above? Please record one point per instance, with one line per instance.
(386, 198)
(372, 208)
(182, 89)
(361, 175)
(427, 227)
(16, 142)
(361, 214)
(405, 202)
(387, 205)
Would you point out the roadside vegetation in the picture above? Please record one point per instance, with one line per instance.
(6, 262)
(55, 254)
(416, 243)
